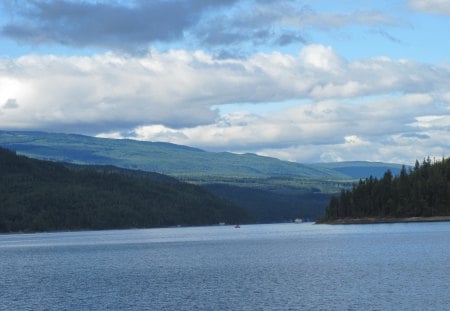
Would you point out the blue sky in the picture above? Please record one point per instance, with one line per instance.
(306, 81)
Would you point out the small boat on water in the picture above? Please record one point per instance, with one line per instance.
(237, 226)
(298, 220)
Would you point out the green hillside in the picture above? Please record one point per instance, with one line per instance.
(39, 195)
(268, 188)
(158, 157)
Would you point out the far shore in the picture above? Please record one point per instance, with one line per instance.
(375, 220)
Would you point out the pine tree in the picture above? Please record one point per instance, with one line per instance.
(422, 191)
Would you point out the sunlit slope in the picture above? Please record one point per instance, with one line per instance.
(158, 157)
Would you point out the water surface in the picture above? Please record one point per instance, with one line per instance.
(257, 267)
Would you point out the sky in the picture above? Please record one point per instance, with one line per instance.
(305, 81)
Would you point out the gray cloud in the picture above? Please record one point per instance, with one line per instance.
(134, 26)
(10, 103)
(416, 135)
(279, 23)
(108, 24)
(289, 38)
(386, 35)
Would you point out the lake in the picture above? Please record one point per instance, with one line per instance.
(257, 267)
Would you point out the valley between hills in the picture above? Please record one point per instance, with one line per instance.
(266, 189)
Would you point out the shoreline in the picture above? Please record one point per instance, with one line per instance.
(375, 220)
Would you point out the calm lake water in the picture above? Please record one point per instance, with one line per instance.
(257, 267)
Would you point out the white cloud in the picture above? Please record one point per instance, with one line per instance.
(394, 149)
(350, 105)
(383, 129)
(177, 88)
(430, 122)
(431, 6)
(317, 56)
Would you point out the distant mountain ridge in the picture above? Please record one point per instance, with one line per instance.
(361, 169)
(171, 159)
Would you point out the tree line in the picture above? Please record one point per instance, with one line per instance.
(39, 195)
(421, 191)
(271, 206)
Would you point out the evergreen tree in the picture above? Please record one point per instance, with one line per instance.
(44, 196)
(423, 191)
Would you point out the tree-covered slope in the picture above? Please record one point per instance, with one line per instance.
(420, 192)
(44, 196)
(158, 157)
(280, 205)
(270, 189)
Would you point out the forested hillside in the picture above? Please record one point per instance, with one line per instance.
(165, 158)
(423, 191)
(38, 195)
(270, 189)
(278, 205)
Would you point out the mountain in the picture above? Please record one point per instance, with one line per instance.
(177, 160)
(361, 169)
(166, 158)
(269, 189)
(38, 195)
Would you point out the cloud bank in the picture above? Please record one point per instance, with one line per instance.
(385, 105)
(134, 26)
(392, 127)
(431, 6)
(107, 24)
